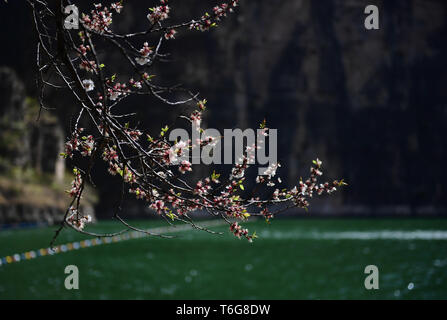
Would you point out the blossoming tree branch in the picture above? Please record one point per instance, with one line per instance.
(149, 167)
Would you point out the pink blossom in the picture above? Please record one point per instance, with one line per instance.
(185, 166)
(170, 34)
(158, 205)
(159, 13)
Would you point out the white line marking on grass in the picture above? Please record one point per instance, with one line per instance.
(358, 235)
(98, 241)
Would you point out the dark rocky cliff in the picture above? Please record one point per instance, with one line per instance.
(371, 104)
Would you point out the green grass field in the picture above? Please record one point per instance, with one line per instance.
(292, 259)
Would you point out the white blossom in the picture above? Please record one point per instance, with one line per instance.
(88, 84)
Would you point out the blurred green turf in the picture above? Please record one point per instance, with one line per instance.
(198, 265)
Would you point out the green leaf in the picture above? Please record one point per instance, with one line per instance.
(342, 183)
(171, 215)
(215, 176)
(164, 130)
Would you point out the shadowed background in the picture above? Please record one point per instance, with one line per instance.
(370, 104)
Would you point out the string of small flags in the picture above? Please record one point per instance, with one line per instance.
(23, 225)
(33, 254)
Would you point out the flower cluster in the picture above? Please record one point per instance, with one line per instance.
(207, 21)
(306, 189)
(170, 155)
(221, 10)
(135, 84)
(84, 49)
(128, 175)
(76, 184)
(202, 104)
(239, 232)
(87, 145)
(158, 206)
(89, 66)
(134, 134)
(76, 220)
(185, 166)
(196, 118)
(110, 155)
(159, 13)
(116, 90)
(266, 214)
(84, 144)
(202, 188)
(117, 6)
(269, 173)
(144, 54)
(238, 171)
(72, 145)
(101, 17)
(170, 34)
